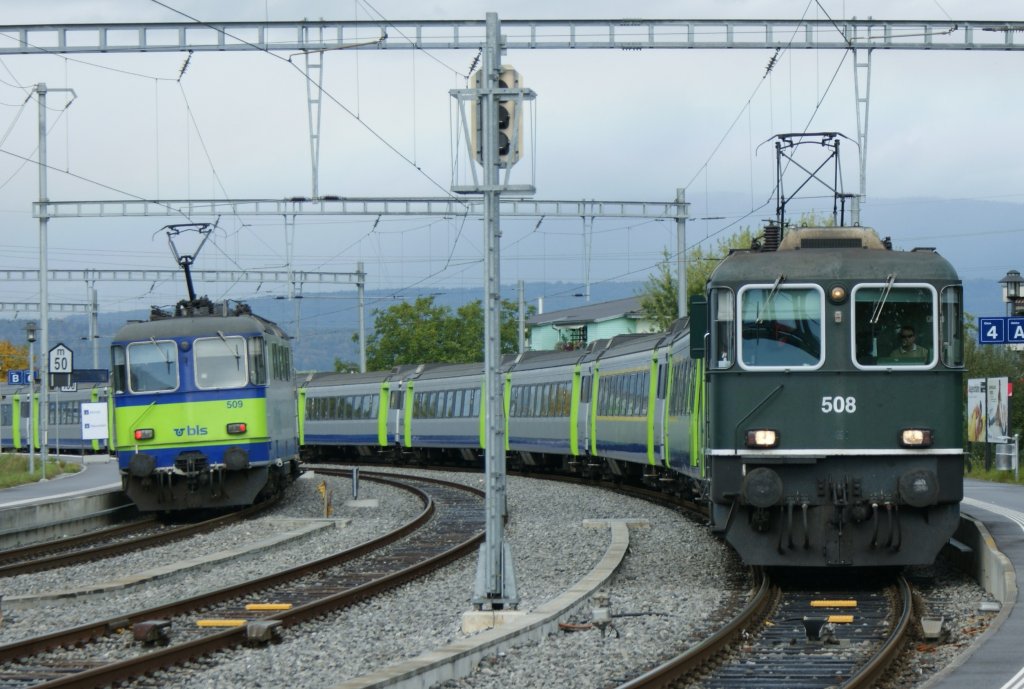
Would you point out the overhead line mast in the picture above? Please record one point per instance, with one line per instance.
(620, 34)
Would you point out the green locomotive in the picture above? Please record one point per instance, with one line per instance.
(834, 367)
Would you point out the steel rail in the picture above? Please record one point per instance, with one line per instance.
(874, 669)
(666, 674)
(87, 632)
(42, 556)
(178, 653)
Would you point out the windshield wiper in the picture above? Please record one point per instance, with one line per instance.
(881, 299)
(233, 352)
(771, 296)
(167, 358)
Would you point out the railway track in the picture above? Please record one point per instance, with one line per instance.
(255, 612)
(797, 639)
(138, 535)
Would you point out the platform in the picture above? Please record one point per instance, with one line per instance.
(995, 661)
(56, 506)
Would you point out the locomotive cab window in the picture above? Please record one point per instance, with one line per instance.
(257, 362)
(220, 362)
(895, 325)
(723, 313)
(951, 326)
(152, 366)
(780, 326)
(118, 368)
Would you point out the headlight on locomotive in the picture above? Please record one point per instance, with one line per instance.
(762, 438)
(916, 437)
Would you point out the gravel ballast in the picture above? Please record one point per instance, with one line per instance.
(676, 584)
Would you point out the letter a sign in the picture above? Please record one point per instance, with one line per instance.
(1015, 330)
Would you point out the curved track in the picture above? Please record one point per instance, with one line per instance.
(450, 526)
(797, 638)
(116, 540)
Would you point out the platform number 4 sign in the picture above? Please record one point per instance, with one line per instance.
(991, 330)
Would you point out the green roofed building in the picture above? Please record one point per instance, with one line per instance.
(576, 327)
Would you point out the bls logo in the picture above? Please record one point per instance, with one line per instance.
(190, 430)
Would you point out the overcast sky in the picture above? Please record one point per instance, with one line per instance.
(606, 125)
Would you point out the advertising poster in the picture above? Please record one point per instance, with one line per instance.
(976, 410)
(998, 409)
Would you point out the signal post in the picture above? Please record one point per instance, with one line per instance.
(495, 141)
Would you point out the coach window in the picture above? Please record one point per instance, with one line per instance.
(220, 362)
(564, 399)
(585, 383)
(895, 325)
(723, 331)
(153, 366)
(781, 326)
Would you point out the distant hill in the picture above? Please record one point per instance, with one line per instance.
(324, 331)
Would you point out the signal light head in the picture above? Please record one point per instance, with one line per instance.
(509, 125)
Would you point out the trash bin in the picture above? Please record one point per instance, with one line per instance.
(1005, 459)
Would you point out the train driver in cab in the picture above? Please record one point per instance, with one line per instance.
(908, 350)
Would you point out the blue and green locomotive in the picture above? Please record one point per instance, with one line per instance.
(204, 408)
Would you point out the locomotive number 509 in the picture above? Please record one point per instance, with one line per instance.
(838, 405)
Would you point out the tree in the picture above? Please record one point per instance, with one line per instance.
(423, 332)
(341, 366)
(811, 219)
(660, 299)
(12, 357)
(470, 329)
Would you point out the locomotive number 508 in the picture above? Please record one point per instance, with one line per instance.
(838, 405)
